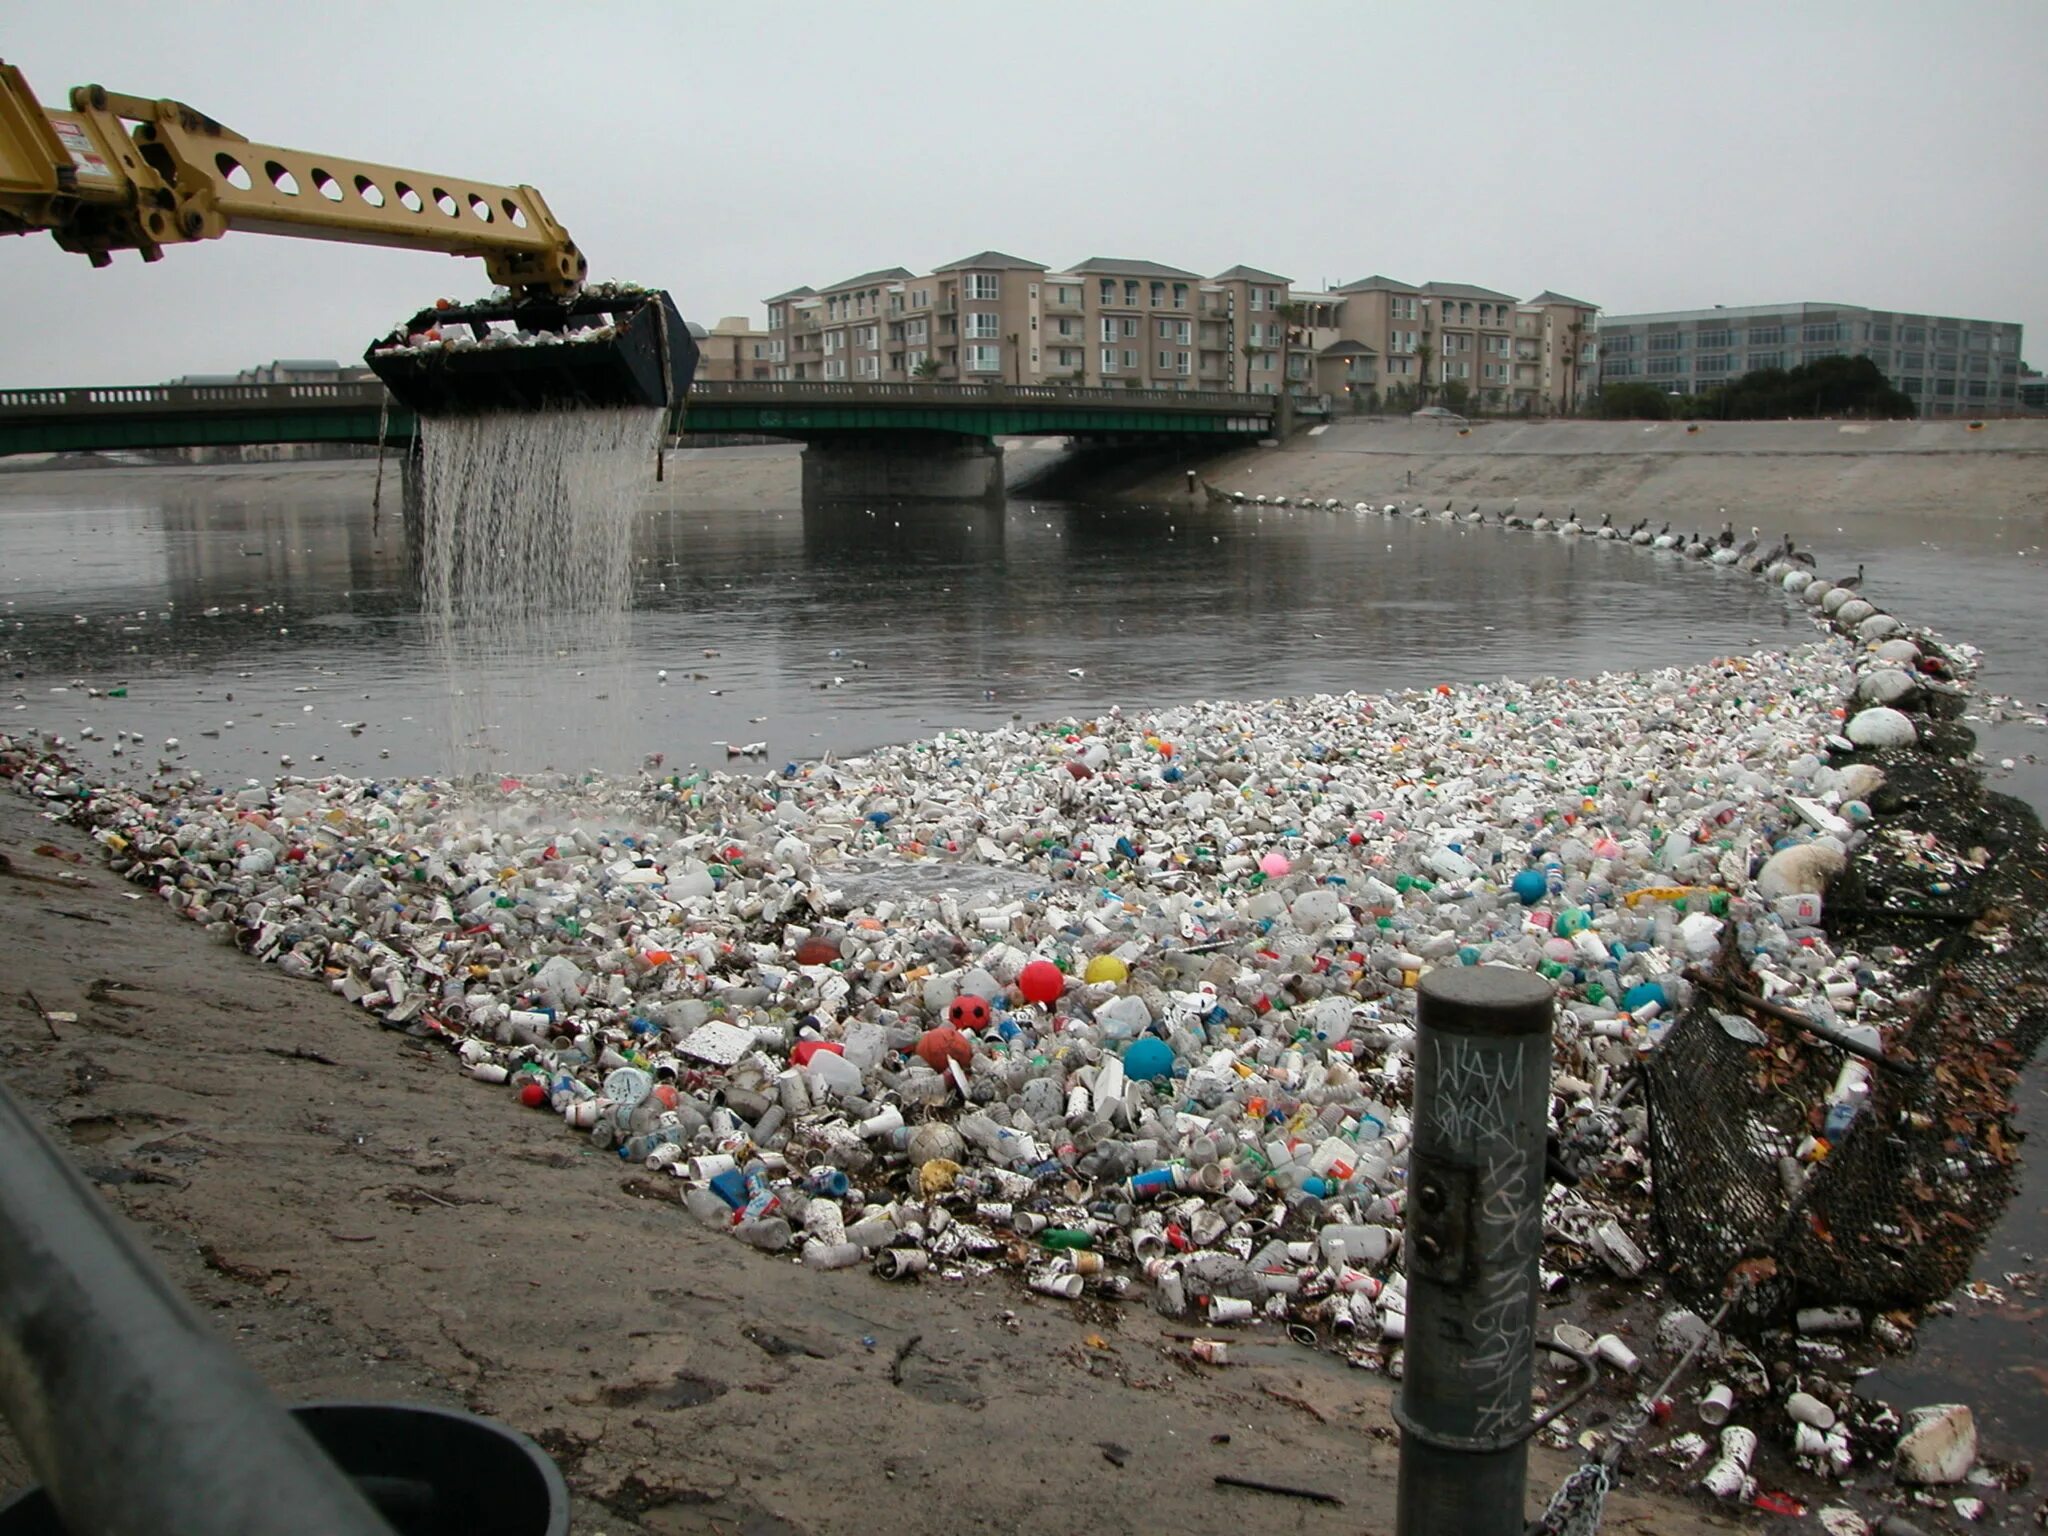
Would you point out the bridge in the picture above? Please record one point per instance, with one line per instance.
(867, 441)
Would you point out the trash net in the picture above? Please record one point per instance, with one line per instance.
(1950, 894)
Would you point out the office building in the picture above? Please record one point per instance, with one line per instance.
(1944, 364)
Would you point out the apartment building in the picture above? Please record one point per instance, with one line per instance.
(732, 350)
(1946, 365)
(1141, 324)
(1405, 340)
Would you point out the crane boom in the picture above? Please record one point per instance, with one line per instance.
(98, 186)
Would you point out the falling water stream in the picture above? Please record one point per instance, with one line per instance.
(526, 540)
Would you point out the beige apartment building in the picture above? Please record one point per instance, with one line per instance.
(1132, 323)
(732, 350)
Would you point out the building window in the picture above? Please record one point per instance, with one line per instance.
(1945, 336)
(1130, 293)
(912, 361)
(1180, 295)
(1880, 333)
(1165, 329)
(983, 285)
(1714, 340)
(835, 341)
(1670, 341)
(867, 367)
(1130, 358)
(1109, 359)
(835, 368)
(1401, 309)
(778, 350)
(984, 360)
(1130, 327)
(1944, 362)
(1109, 328)
(1182, 364)
(1812, 333)
(1618, 344)
(1945, 387)
(1159, 295)
(1718, 363)
(1766, 335)
(1882, 357)
(1766, 360)
(984, 324)
(1165, 364)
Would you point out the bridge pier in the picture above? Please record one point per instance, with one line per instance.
(903, 467)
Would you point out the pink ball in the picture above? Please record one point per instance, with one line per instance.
(1275, 864)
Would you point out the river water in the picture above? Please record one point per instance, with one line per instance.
(264, 612)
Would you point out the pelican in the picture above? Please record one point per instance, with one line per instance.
(1570, 526)
(1640, 534)
(1726, 537)
(1851, 583)
(1697, 548)
(1475, 515)
(1607, 530)
(1666, 539)
(1541, 524)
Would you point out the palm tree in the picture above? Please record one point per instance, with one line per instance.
(1423, 353)
(928, 368)
(1291, 314)
(1252, 351)
(1577, 329)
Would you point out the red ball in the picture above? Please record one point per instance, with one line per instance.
(968, 1012)
(1041, 982)
(533, 1095)
(938, 1046)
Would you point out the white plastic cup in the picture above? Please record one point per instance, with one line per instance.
(1805, 1408)
(709, 1167)
(1050, 1282)
(1617, 1354)
(489, 1072)
(1808, 1441)
(1229, 1309)
(582, 1115)
(1716, 1404)
(901, 1263)
(882, 1123)
(821, 1255)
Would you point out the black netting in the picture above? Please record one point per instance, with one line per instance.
(1951, 894)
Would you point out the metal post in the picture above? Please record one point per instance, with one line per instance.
(136, 1418)
(1475, 1229)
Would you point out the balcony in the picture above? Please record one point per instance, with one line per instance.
(1063, 307)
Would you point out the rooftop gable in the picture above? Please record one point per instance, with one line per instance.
(1378, 284)
(880, 275)
(1464, 291)
(1246, 274)
(1126, 267)
(992, 259)
(1549, 297)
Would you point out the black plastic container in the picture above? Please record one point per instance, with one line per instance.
(642, 354)
(429, 1471)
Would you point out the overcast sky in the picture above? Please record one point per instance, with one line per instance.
(1641, 156)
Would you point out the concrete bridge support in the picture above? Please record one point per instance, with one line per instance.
(902, 467)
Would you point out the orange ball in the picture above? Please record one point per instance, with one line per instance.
(533, 1095)
(938, 1046)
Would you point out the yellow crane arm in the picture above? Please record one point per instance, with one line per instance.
(178, 176)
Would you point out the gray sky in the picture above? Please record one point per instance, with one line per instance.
(1641, 156)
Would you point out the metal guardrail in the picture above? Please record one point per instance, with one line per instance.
(136, 1418)
(129, 399)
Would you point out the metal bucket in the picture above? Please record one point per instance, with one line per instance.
(605, 347)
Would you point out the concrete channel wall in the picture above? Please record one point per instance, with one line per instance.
(1756, 471)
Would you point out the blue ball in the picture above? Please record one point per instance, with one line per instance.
(1529, 886)
(1148, 1057)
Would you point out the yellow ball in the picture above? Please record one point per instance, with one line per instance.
(1107, 968)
